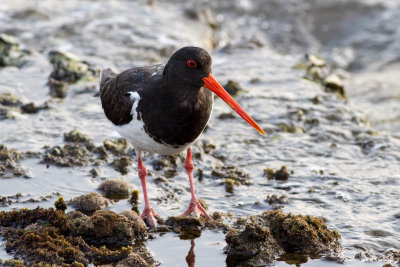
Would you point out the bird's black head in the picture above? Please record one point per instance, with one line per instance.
(188, 66)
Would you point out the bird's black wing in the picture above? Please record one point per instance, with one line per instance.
(115, 90)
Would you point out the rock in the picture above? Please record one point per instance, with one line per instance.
(163, 161)
(89, 202)
(254, 246)
(281, 174)
(233, 88)
(49, 236)
(137, 222)
(107, 228)
(9, 163)
(274, 199)
(9, 100)
(32, 108)
(229, 184)
(76, 137)
(119, 147)
(133, 260)
(58, 89)
(115, 188)
(60, 204)
(71, 154)
(68, 68)
(334, 84)
(10, 54)
(231, 172)
(227, 115)
(121, 164)
(301, 234)
(187, 227)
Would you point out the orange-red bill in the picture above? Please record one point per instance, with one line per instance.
(213, 85)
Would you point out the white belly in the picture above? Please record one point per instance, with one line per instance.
(134, 132)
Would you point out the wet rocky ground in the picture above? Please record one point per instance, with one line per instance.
(321, 188)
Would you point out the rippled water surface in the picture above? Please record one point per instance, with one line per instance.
(344, 154)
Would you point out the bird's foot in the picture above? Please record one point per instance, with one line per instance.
(148, 216)
(196, 209)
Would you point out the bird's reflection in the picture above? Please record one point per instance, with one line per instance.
(190, 258)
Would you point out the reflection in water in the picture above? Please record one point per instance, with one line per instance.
(190, 258)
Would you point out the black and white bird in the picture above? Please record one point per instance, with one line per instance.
(163, 109)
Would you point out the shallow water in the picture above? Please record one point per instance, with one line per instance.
(342, 172)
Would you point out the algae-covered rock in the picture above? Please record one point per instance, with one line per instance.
(334, 84)
(187, 227)
(75, 136)
(134, 260)
(137, 222)
(316, 70)
(233, 88)
(9, 163)
(48, 236)
(108, 228)
(9, 100)
(301, 234)
(32, 108)
(58, 89)
(60, 204)
(229, 184)
(69, 68)
(9, 105)
(231, 172)
(115, 188)
(121, 164)
(10, 54)
(274, 199)
(72, 154)
(254, 246)
(89, 202)
(281, 174)
(162, 162)
(119, 147)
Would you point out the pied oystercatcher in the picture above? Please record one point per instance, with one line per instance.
(163, 109)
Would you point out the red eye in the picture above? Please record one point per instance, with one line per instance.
(191, 63)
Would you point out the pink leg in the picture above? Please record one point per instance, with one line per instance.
(148, 213)
(194, 206)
